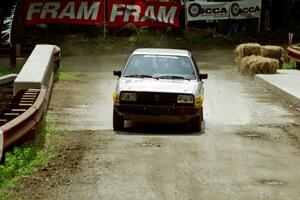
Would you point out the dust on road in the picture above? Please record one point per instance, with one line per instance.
(249, 149)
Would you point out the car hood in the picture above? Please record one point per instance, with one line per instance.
(157, 85)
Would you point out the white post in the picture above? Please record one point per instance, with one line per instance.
(104, 18)
(258, 26)
(185, 17)
(1, 146)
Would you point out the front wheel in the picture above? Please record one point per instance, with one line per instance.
(195, 122)
(118, 121)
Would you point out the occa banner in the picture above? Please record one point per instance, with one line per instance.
(141, 13)
(245, 9)
(199, 10)
(64, 11)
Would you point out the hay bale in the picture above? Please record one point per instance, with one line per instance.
(252, 65)
(246, 63)
(247, 49)
(238, 61)
(251, 49)
(253, 69)
(273, 65)
(271, 51)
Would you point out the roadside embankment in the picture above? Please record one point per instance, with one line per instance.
(285, 83)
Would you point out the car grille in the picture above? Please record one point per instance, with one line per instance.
(150, 98)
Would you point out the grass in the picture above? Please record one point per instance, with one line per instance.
(25, 159)
(64, 75)
(289, 65)
(7, 70)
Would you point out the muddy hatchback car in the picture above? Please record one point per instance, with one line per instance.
(159, 86)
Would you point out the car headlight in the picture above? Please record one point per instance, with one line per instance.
(199, 102)
(185, 99)
(115, 97)
(128, 96)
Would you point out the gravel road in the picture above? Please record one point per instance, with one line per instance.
(249, 148)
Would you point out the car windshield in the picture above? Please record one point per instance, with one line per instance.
(160, 66)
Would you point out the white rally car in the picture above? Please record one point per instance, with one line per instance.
(159, 86)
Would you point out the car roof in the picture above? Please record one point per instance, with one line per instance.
(160, 51)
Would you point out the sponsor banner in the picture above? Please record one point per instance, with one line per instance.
(141, 13)
(199, 10)
(245, 9)
(64, 11)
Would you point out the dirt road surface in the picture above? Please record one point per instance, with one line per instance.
(249, 148)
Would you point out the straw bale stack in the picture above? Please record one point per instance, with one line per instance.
(252, 65)
(247, 49)
(271, 51)
(245, 63)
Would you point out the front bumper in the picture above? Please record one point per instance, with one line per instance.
(155, 113)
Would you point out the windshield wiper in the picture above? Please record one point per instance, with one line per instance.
(139, 76)
(173, 77)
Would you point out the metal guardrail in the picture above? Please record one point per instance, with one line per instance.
(25, 113)
(22, 117)
(23, 100)
(18, 127)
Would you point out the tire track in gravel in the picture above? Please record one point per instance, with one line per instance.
(59, 172)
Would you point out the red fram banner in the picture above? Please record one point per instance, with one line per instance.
(141, 13)
(64, 11)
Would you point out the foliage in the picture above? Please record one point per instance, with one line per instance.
(62, 74)
(289, 65)
(83, 40)
(83, 44)
(25, 159)
(5, 70)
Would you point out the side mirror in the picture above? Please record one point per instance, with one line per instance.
(117, 73)
(203, 76)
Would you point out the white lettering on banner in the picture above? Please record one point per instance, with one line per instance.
(164, 17)
(33, 8)
(85, 13)
(135, 10)
(116, 12)
(51, 10)
(132, 10)
(68, 11)
(149, 14)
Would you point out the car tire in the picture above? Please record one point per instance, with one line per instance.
(201, 114)
(195, 122)
(118, 121)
